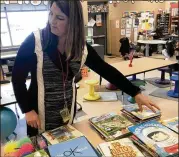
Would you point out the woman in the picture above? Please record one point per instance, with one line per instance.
(54, 56)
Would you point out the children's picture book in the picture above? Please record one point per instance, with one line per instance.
(39, 153)
(172, 124)
(145, 114)
(76, 147)
(157, 137)
(122, 148)
(61, 134)
(111, 125)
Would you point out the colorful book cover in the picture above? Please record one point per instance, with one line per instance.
(111, 124)
(39, 153)
(76, 147)
(172, 124)
(145, 114)
(122, 148)
(157, 137)
(61, 134)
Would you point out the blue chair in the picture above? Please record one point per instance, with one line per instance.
(174, 93)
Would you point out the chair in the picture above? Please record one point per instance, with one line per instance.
(174, 93)
(162, 79)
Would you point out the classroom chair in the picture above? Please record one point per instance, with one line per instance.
(162, 79)
(174, 93)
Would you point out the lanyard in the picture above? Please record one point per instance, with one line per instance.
(64, 80)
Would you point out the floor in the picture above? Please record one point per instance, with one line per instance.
(86, 113)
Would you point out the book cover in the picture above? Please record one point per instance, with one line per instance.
(111, 124)
(145, 114)
(172, 124)
(122, 148)
(39, 153)
(76, 147)
(157, 137)
(61, 134)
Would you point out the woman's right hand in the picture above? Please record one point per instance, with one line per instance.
(32, 119)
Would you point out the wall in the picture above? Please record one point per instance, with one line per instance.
(85, 11)
(116, 13)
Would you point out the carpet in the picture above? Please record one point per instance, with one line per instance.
(162, 93)
(152, 81)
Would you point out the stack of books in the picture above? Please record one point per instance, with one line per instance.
(155, 138)
(61, 134)
(119, 148)
(133, 113)
(111, 126)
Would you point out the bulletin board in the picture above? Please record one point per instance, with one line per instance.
(132, 22)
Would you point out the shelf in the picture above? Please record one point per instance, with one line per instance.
(97, 36)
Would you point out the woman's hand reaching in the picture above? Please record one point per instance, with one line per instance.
(32, 119)
(143, 100)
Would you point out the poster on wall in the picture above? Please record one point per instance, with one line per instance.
(117, 23)
(123, 32)
(123, 23)
(98, 20)
(135, 34)
(91, 22)
(129, 23)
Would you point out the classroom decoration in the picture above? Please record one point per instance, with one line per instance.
(91, 95)
(134, 21)
(19, 148)
(98, 8)
(8, 122)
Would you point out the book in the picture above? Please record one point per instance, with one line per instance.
(157, 137)
(61, 134)
(145, 114)
(172, 124)
(76, 147)
(120, 148)
(111, 125)
(39, 153)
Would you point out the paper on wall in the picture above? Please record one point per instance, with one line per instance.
(123, 32)
(123, 23)
(135, 34)
(128, 31)
(91, 22)
(90, 32)
(128, 35)
(128, 25)
(117, 23)
(98, 20)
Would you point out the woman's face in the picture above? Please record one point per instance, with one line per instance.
(58, 21)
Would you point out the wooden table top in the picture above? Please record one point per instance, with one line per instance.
(98, 108)
(169, 109)
(141, 65)
(152, 41)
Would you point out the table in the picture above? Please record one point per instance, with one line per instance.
(150, 42)
(141, 65)
(98, 108)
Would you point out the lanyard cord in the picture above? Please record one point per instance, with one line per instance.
(64, 80)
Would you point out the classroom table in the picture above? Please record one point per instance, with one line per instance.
(150, 42)
(97, 108)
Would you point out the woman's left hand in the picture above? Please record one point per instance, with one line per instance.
(143, 100)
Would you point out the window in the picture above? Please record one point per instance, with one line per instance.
(24, 23)
(21, 25)
(5, 37)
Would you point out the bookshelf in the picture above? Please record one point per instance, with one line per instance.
(163, 20)
(99, 35)
(174, 26)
